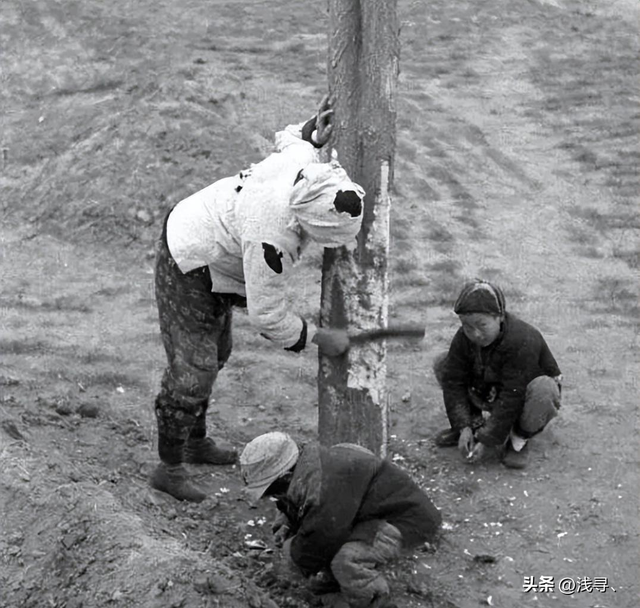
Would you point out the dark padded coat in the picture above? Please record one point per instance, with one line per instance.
(514, 359)
(333, 489)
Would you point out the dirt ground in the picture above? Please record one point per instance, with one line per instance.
(517, 161)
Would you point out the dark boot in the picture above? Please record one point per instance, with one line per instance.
(205, 451)
(201, 449)
(173, 479)
(170, 475)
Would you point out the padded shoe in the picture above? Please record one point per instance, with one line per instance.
(173, 479)
(513, 459)
(206, 451)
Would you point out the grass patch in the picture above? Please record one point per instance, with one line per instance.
(413, 278)
(96, 356)
(99, 87)
(439, 234)
(413, 301)
(476, 235)
(72, 107)
(443, 290)
(110, 379)
(405, 265)
(578, 233)
(491, 274)
(470, 221)
(66, 304)
(59, 304)
(620, 227)
(448, 266)
(442, 239)
(605, 221)
(112, 292)
(401, 225)
(630, 257)
(590, 252)
(24, 347)
(616, 296)
(152, 337)
(512, 293)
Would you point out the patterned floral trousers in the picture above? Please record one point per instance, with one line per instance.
(195, 324)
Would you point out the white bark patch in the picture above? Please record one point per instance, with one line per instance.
(367, 363)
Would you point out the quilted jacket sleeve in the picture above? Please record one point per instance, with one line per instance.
(262, 212)
(456, 379)
(548, 362)
(265, 272)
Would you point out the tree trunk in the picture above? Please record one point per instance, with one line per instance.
(363, 72)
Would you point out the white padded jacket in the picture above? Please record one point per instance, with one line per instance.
(248, 229)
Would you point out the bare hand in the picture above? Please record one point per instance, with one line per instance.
(466, 442)
(324, 126)
(332, 342)
(477, 454)
(281, 530)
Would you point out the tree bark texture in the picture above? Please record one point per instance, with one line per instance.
(363, 72)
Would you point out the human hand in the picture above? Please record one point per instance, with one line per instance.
(466, 442)
(476, 454)
(279, 537)
(281, 530)
(324, 126)
(332, 342)
(322, 583)
(558, 381)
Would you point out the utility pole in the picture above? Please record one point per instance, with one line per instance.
(363, 73)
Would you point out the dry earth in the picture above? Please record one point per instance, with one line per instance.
(517, 161)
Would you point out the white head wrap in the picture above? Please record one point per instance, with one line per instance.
(312, 203)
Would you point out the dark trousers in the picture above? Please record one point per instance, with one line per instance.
(195, 324)
(541, 402)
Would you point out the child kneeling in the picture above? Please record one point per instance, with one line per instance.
(343, 513)
(501, 384)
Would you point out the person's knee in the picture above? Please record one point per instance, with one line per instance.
(354, 567)
(345, 561)
(191, 377)
(543, 389)
(387, 544)
(542, 402)
(183, 391)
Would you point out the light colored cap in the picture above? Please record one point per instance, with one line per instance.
(266, 458)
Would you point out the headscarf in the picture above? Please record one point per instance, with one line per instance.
(313, 203)
(480, 296)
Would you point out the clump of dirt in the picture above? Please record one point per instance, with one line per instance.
(82, 528)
